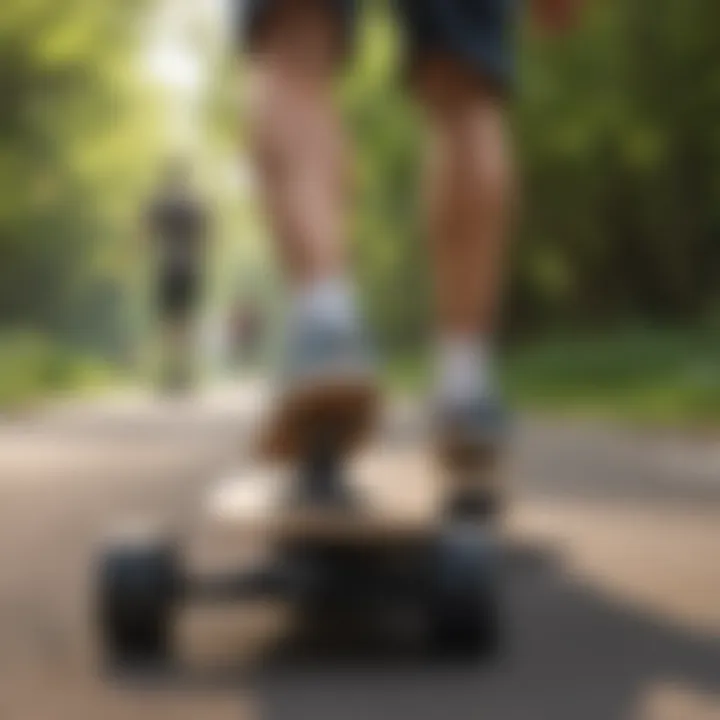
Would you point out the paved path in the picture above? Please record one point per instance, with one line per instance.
(614, 588)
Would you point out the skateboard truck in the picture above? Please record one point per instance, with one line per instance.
(321, 481)
(474, 487)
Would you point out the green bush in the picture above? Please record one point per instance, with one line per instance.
(33, 366)
(648, 375)
(651, 376)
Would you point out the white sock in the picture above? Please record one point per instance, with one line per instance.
(331, 301)
(464, 368)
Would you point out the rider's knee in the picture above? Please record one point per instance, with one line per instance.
(451, 90)
(298, 38)
(293, 61)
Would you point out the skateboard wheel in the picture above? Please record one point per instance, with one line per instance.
(138, 584)
(464, 609)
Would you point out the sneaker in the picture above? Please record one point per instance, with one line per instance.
(328, 393)
(471, 438)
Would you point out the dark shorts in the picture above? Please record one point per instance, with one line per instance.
(479, 33)
(178, 294)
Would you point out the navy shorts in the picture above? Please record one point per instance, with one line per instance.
(178, 293)
(479, 33)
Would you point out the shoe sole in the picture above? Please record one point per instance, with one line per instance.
(339, 414)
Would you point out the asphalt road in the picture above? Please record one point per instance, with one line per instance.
(613, 583)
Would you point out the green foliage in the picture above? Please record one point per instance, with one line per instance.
(71, 155)
(31, 367)
(638, 374)
(620, 143)
(657, 376)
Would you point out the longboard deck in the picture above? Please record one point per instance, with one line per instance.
(368, 529)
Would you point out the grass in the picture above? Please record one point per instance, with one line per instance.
(653, 377)
(33, 368)
(664, 377)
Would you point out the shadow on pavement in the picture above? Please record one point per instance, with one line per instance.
(575, 654)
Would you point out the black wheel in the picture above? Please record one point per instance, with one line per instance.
(138, 584)
(464, 595)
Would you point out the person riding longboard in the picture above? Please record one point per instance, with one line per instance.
(178, 226)
(461, 69)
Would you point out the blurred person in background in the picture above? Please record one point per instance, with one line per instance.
(246, 331)
(178, 227)
(460, 67)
